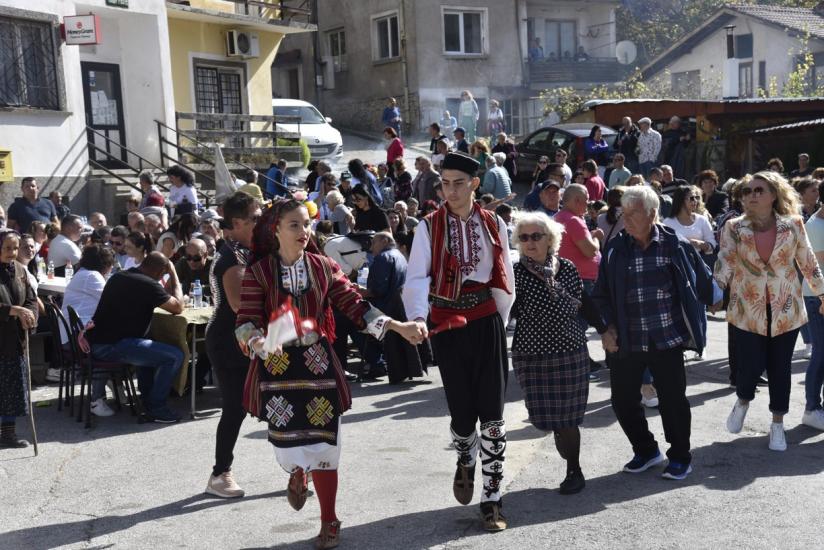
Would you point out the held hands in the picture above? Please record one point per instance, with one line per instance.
(609, 340)
(413, 332)
(26, 317)
(719, 305)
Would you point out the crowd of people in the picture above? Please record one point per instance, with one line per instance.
(442, 266)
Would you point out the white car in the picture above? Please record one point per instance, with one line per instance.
(324, 141)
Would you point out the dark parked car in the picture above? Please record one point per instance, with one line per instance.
(569, 137)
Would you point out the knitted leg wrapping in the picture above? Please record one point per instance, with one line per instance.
(493, 445)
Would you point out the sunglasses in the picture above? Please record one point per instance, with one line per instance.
(756, 191)
(193, 258)
(694, 198)
(535, 237)
(542, 162)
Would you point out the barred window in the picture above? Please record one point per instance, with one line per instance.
(28, 69)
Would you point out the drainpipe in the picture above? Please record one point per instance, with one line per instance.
(316, 61)
(405, 67)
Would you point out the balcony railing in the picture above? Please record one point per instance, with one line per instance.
(595, 69)
(275, 9)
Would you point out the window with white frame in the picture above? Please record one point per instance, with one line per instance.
(464, 31)
(337, 49)
(28, 68)
(385, 37)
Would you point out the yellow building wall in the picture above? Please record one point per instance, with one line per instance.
(189, 39)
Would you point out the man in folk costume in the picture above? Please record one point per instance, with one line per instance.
(298, 386)
(460, 262)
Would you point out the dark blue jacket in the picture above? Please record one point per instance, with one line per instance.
(693, 285)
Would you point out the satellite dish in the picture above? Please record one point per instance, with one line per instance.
(626, 52)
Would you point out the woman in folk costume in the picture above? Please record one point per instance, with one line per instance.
(460, 260)
(299, 389)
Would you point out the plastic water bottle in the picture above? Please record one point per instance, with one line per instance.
(50, 271)
(363, 276)
(69, 271)
(41, 268)
(197, 294)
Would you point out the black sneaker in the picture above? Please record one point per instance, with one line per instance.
(13, 443)
(676, 470)
(640, 464)
(163, 416)
(574, 482)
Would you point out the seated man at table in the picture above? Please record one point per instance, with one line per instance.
(121, 324)
(194, 266)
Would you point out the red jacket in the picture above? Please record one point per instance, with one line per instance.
(395, 151)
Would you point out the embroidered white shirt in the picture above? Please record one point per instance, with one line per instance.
(476, 258)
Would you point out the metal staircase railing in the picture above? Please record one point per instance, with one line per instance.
(142, 163)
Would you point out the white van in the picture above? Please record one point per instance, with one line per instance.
(324, 141)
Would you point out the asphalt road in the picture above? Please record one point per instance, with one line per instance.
(124, 485)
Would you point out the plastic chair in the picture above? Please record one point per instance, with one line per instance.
(91, 366)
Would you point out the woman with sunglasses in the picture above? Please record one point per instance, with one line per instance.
(549, 350)
(688, 221)
(368, 215)
(757, 262)
(541, 172)
(299, 389)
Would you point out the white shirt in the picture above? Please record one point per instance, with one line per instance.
(62, 251)
(567, 174)
(700, 229)
(477, 266)
(82, 293)
(815, 232)
(177, 194)
(649, 145)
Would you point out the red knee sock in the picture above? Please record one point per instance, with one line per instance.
(326, 486)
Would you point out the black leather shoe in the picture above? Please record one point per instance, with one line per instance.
(574, 482)
(13, 443)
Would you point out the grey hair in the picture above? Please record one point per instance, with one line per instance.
(641, 194)
(492, 161)
(334, 198)
(575, 189)
(390, 240)
(553, 229)
(500, 158)
(146, 176)
(666, 168)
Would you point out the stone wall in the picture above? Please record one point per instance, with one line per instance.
(365, 114)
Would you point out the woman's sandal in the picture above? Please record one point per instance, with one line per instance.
(297, 489)
(329, 536)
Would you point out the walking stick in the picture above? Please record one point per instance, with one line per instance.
(31, 405)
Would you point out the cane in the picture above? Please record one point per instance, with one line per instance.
(31, 405)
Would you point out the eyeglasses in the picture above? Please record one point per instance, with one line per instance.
(535, 237)
(756, 191)
(193, 258)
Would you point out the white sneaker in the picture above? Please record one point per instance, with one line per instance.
(777, 440)
(808, 351)
(649, 397)
(53, 375)
(735, 421)
(224, 486)
(100, 408)
(813, 419)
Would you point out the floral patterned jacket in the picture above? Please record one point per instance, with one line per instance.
(741, 269)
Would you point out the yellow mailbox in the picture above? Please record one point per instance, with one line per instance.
(6, 172)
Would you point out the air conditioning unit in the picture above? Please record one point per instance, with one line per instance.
(242, 44)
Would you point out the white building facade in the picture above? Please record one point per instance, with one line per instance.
(51, 92)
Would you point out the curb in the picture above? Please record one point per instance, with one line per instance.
(371, 137)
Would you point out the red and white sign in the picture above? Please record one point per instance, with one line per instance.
(81, 30)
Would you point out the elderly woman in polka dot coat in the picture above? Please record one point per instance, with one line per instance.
(549, 351)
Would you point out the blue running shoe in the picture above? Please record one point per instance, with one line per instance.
(640, 464)
(676, 470)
